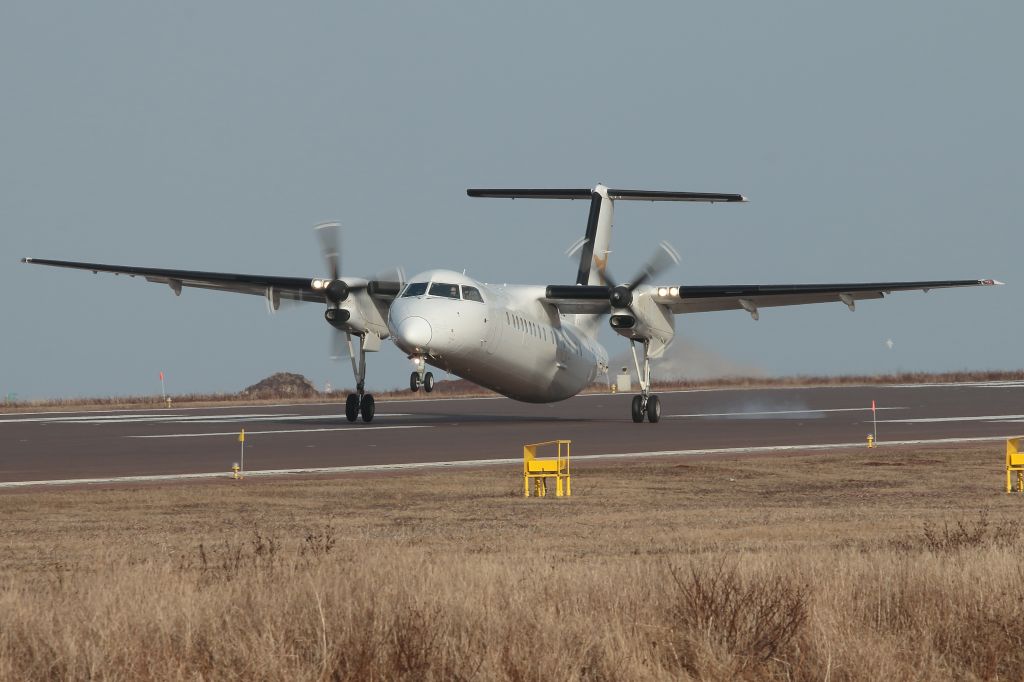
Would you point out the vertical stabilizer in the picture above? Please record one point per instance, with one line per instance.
(594, 245)
(594, 253)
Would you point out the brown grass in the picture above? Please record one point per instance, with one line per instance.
(888, 565)
(461, 388)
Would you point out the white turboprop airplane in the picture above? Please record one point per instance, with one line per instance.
(534, 343)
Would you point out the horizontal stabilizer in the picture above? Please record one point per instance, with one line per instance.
(531, 193)
(618, 194)
(644, 195)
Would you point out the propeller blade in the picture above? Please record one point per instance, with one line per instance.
(573, 250)
(341, 345)
(387, 282)
(329, 235)
(664, 257)
(608, 279)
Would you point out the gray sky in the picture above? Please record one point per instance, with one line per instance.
(876, 141)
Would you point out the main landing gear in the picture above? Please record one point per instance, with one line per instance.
(361, 402)
(645, 404)
(420, 377)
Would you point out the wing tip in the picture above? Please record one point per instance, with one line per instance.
(991, 282)
(26, 260)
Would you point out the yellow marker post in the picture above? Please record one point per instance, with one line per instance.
(241, 439)
(871, 441)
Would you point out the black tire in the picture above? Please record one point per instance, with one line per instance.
(414, 382)
(653, 409)
(367, 408)
(352, 407)
(428, 382)
(638, 409)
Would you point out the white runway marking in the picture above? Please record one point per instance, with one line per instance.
(275, 431)
(493, 462)
(935, 420)
(966, 384)
(181, 419)
(757, 414)
(136, 410)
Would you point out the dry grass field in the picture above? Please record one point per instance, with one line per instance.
(867, 565)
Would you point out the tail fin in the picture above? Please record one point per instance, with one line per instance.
(594, 251)
(594, 254)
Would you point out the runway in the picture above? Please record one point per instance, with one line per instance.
(160, 442)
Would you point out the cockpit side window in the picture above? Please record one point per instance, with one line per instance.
(445, 290)
(415, 289)
(471, 294)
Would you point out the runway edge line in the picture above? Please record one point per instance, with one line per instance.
(412, 466)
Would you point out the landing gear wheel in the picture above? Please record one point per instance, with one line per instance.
(653, 409)
(638, 408)
(414, 382)
(352, 407)
(367, 408)
(428, 382)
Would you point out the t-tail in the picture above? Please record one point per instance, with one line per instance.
(593, 247)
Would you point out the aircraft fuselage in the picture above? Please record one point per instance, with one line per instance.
(501, 337)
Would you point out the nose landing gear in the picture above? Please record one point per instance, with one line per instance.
(420, 377)
(645, 404)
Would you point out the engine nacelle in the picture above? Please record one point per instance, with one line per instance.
(338, 318)
(360, 314)
(645, 320)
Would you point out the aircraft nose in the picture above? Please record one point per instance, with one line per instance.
(414, 332)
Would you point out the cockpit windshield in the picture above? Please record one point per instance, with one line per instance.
(415, 289)
(442, 289)
(446, 290)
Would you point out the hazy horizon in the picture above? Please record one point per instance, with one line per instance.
(213, 137)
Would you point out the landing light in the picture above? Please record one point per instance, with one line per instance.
(662, 291)
(674, 291)
(318, 284)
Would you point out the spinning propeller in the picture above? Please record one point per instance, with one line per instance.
(336, 290)
(619, 296)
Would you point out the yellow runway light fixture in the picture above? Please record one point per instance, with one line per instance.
(540, 469)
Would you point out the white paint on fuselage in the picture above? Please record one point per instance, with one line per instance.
(511, 343)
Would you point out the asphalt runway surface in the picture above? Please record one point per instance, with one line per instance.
(104, 445)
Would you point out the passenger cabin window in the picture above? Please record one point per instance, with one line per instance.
(445, 290)
(472, 294)
(415, 289)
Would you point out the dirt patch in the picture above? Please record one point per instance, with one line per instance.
(282, 385)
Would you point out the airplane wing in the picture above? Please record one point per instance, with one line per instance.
(706, 298)
(750, 297)
(273, 287)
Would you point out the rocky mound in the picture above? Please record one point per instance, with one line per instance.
(282, 385)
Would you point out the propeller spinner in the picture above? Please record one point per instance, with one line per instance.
(621, 295)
